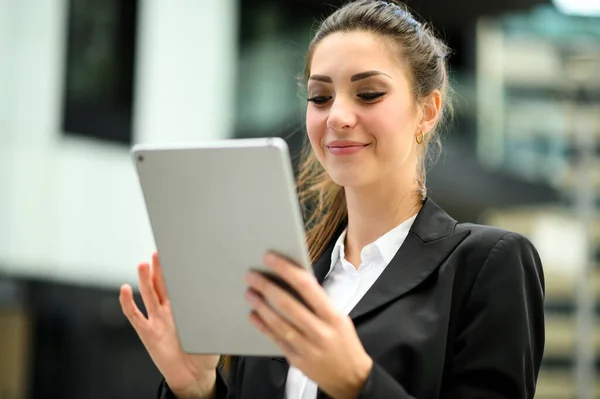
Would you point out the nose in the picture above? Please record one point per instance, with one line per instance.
(341, 116)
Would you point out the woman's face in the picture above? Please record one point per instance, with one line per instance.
(361, 119)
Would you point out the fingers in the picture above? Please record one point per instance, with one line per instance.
(272, 324)
(158, 279)
(256, 320)
(130, 309)
(305, 284)
(295, 312)
(149, 295)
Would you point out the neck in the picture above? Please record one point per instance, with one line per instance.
(377, 209)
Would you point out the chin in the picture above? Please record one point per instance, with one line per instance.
(349, 179)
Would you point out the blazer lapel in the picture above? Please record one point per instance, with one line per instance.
(323, 264)
(429, 242)
(277, 370)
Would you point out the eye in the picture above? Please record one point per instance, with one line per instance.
(368, 97)
(319, 100)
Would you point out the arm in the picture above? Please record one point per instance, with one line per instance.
(500, 342)
(164, 392)
(224, 384)
(500, 339)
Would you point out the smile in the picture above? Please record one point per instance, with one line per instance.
(346, 149)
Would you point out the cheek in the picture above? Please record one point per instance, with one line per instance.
(316, 125)
(392, 130)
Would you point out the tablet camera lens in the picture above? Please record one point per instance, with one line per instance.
(140, 158)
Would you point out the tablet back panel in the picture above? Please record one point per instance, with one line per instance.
(215, 209)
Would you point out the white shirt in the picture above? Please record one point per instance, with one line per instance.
(346, 285)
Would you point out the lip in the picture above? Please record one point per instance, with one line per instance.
(345, 143)
(345, 147)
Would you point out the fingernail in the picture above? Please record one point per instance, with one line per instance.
(251, 297)
(270, 258)
(251, 277)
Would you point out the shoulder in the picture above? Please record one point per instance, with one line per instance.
(507, 258)
(490, 240)
(489, 236)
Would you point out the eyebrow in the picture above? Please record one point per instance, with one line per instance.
(353, 78)
(368, 74)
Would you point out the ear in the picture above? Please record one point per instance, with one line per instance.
(430, 112)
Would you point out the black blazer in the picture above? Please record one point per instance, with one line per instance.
(458, 313)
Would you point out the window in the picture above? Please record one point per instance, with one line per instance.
(99, 73)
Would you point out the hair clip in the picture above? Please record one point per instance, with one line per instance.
(399, 11)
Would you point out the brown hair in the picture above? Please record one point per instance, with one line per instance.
(424, 57)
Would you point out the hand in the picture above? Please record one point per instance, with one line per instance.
(187, 375)
(323, 344)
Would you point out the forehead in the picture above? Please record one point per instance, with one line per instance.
(350, 52)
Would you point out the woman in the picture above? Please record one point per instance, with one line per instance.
(408, 303)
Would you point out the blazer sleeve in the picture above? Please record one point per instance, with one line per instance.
(499, 346)
(500, 340)
(225, 383)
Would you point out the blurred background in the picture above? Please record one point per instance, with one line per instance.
(83, 80)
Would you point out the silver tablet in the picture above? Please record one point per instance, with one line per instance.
(215, 209)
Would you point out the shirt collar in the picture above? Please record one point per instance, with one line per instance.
(388, 244)
(338, 249)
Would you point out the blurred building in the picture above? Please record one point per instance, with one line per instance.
(83, 80)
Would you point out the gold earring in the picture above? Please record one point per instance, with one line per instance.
(420, 138)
